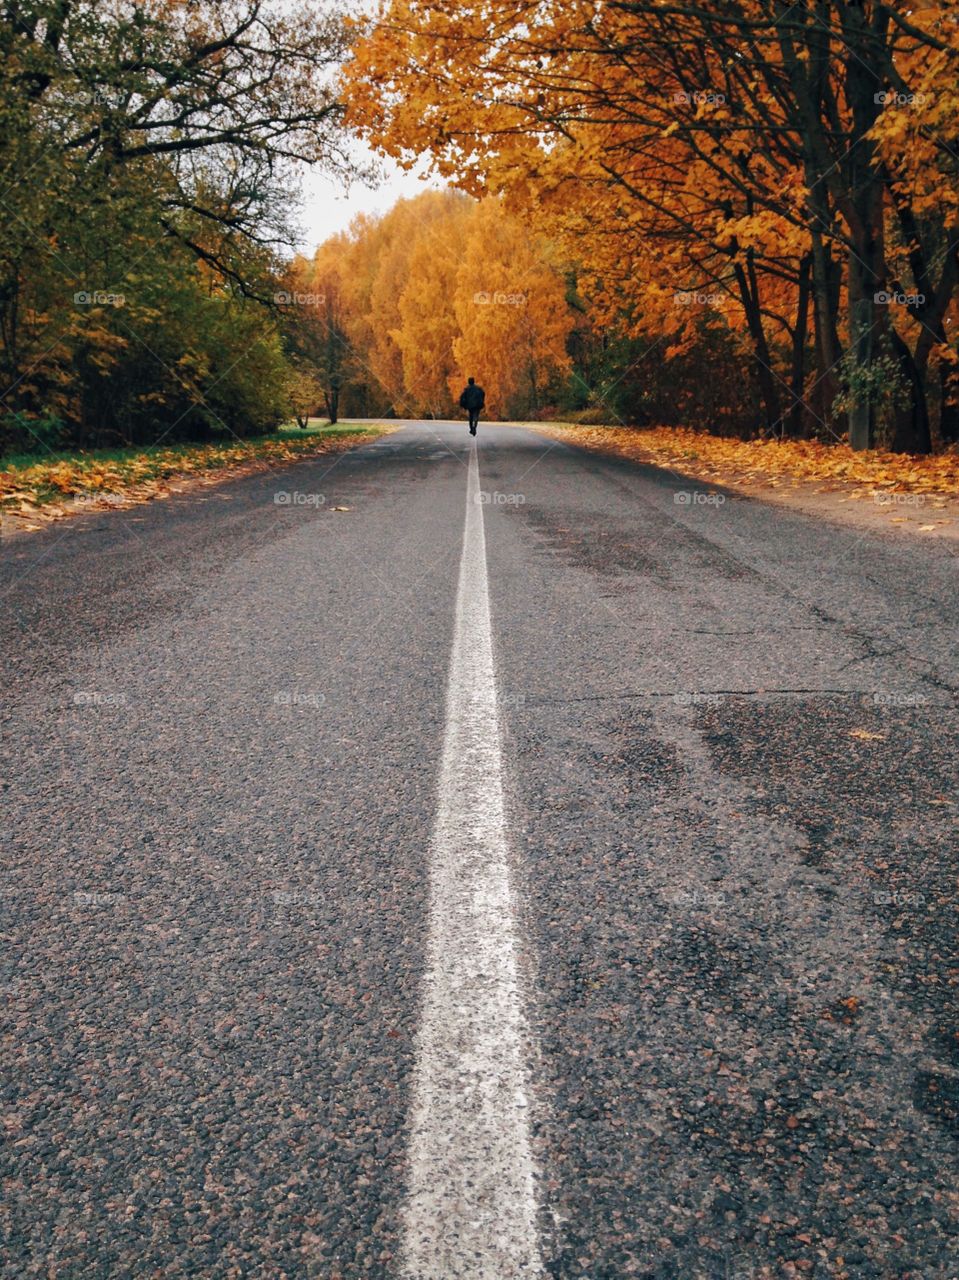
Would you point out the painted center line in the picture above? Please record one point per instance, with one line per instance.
(471, 1207)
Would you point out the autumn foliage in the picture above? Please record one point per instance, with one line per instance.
(441, 288)
(51, 488)
(772, 186)
(877, 475)
(739, 216)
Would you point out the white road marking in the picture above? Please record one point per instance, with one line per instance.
(471, 1208)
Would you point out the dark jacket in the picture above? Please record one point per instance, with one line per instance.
(473, 397)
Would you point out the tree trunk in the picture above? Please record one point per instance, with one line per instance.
(862, 326)
(825, 296)
(794, 419)
(863, 33)
(948, 412)
(762, 361)
(912, 433)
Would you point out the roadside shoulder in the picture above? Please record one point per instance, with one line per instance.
(919, 497)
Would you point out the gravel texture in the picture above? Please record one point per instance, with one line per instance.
(729, 755)
(733, 755)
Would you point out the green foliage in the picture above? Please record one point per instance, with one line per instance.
(629, 380)
(139, 258)
(880, 383)
(19, 433)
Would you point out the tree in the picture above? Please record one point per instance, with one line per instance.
(428, 306)
(512, 314)
(147, 152)
(315, 327)
(753, 149)
(410, 300)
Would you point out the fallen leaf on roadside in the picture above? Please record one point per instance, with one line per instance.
(871, 474)
(38, 487)
(844, 1011)
(865, 736)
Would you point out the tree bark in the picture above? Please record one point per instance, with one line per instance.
(948, 412)
(793, 423)
(862, 345)
(912, 432)
(749, 292)
(825, 295)
(864, 34)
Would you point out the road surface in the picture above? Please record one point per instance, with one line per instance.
(478, 863)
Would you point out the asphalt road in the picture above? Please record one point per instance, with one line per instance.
(720, 760)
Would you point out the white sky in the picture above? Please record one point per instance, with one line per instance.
(327, 208)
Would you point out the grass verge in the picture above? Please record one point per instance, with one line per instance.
(58, 484)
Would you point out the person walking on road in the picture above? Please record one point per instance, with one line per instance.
(472, 400)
